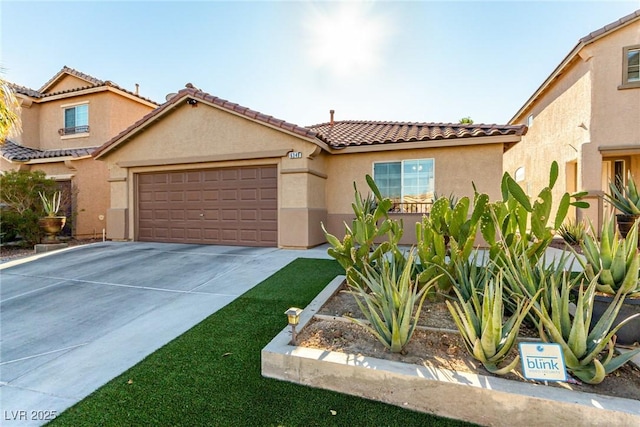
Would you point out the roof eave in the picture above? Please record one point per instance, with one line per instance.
(506, 140)
(589, 39)
(174, 102)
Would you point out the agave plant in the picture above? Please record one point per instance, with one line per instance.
(614, 263)
(625, 198)
(523, 280)
(588, 351)
(51, 205)
(480, 322)
(390, 301)
(572, 232)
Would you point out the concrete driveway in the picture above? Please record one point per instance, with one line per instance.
(72, 320)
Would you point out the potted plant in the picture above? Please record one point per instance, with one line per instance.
(614, 263)
(626, 200)
(52, 223)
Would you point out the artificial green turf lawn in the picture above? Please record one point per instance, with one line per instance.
(210, 375)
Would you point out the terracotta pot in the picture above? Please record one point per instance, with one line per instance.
(629, 333)
(51, 225)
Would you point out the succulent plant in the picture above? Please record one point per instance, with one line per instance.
(446, 224)
(51, 205)
(371, 223)
(588, 351)
(524, 280)
(390, 301)
(572, 232)
(515, 224)
(625, 198)
(480, 322)
(613, 262)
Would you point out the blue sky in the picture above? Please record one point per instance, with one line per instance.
(402, 61)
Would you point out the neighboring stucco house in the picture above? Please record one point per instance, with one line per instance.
(200, 169)
(62, 123)
(586, 116)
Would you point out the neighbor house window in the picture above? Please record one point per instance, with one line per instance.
(76, 120)
(408, 183)
(631, 66)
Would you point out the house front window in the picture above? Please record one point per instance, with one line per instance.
(408, 183)
(631, 67)
(76, 120)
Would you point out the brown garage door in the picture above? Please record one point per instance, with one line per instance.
(234, 206)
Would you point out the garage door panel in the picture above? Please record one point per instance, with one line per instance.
(230, 195)
(210, 195)
(193, 177)
(268, 194)
(229, 174)
(248, 215)
(268, 215)
(224, 206)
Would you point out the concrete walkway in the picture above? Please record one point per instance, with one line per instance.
(74, 319)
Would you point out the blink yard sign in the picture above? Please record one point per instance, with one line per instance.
(542, 361)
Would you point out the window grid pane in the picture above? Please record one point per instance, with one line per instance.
(82, 115)
(410, 183)
(633, 65)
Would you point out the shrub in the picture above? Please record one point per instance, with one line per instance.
(21, 204)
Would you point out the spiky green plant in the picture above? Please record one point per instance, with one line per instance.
(625, 198)
(51, 205)
(572, 232)
(517, 225)
(613, 262)
(455, 224)
(588, 352)
(370, 225)
(523, 280)
(390, 301)
(480, 322)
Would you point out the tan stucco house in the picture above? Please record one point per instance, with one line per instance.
(200, 169)
(586, 116)
(62, 123)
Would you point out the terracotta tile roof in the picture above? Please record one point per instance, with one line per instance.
(92, 83)
(15, 152)
(190, 92)
(354, 133)
(611, 27)
(339, 135)
(67, 70)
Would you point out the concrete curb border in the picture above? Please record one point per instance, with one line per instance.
(459, 395)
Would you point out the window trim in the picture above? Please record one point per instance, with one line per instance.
(402, 191)
(626, 84)
(64, 108)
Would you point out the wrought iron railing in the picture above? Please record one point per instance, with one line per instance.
(73, 130)
(413, 207)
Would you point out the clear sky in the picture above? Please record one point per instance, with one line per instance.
(401, 61)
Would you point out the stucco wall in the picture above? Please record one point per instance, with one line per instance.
(90, 188)
(455, 170)
(205, 137)
(560, 127)
(68, 82)
(30, 116)
(109, 113)
(581, 112)
(616, 112)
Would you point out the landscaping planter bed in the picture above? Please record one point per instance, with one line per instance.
(474, 397)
